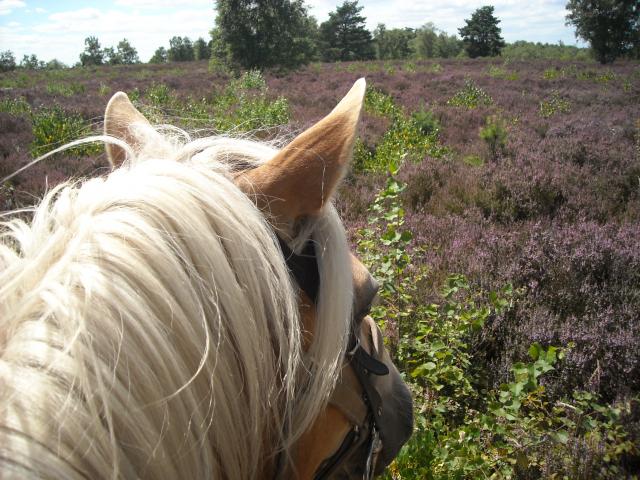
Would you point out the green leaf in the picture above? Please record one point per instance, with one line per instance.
(534, 351)
(560, 436)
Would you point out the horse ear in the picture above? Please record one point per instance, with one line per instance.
(301, 178)
(123, 121)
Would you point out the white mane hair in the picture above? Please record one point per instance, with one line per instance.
(149, 326)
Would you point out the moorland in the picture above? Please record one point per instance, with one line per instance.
(498, 202)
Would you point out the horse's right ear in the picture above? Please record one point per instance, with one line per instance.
(123, 121)
(301, 178)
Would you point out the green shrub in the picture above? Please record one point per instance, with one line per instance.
(553, 73)
(104, 89)
(66, 89)
(411, 137)
(158, 94)
(15, 106)
(471, 96)
(245, 106)
(494, 134)
(553, 105)
(473, 160)
(501, 72)
(426, 122)
(54, 127)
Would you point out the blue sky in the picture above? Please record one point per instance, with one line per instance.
(57, 29)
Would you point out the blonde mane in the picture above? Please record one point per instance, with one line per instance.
(150, 328)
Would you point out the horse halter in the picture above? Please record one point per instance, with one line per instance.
(364, 410)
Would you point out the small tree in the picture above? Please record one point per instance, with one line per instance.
(160, 56)
(481, 35)
(344, 36)
(612, 27)
(7, 61)
(110, 56)
(93, 53)
(201, 49)
(31, 62)
(55, 64)
(127, 54)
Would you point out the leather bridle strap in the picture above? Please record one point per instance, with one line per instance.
(363, 411)
(303, 267)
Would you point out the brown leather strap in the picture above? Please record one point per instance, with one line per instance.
(347, 397)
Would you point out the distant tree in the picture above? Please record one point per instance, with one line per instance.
(160, 56)
(110, 56)
(612, 27)
(201, 49)
(344, 36)
(481, 35)
(264, 34)
(429, 42)
(523, 50)
(7, 61)
(55, 64)
(93, 53)
(394, 43)
(180, 50)
(31, 62)
(127, 53)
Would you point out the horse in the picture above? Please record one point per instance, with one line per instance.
(195, 313)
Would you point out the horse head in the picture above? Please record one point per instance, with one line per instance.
(196, 313)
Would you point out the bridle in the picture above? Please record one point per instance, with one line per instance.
(364, 410)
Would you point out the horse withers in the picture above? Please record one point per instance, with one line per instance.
(195, 313)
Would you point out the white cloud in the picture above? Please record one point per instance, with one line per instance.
(62, 35)
(7, 6)
(40, 10)
(163, 3)
(147, 24)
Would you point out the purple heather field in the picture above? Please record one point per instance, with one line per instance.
(556, 211)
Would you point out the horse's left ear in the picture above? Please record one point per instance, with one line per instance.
(301, 178)
(123, 121)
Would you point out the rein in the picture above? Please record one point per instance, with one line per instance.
(364, 410)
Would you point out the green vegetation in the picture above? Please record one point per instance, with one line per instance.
(53, 127)
(465, 430)
(496, 71)
(471, 96)
(410, 137)
(494, 134)
(243, 106)
(553, 105)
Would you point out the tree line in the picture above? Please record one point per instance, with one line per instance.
(281, 34)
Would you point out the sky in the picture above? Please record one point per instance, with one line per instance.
(57, 29)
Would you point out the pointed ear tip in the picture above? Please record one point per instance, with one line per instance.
(118, 97)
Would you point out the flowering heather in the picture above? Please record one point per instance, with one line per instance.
(555, 210)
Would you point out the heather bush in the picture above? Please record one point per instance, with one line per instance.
(465, 428)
